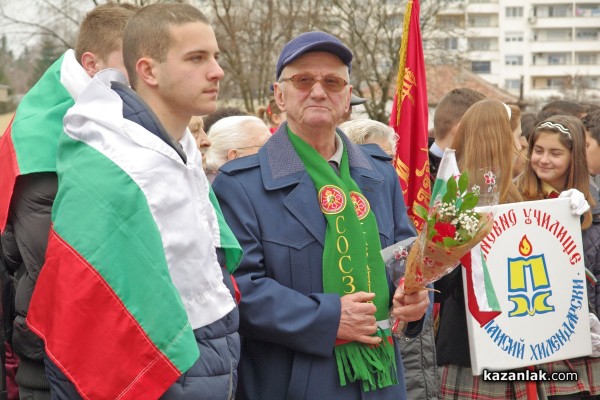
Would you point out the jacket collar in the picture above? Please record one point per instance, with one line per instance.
(281, 166)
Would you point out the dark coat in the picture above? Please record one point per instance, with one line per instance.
(591, 249)
(29, 224)
(288, 325)
(452, 340)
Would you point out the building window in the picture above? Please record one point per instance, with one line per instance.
(557, 59)
(450, 21)
(512, 84)
(451, 44)
(513, 60)
(556, 35)
(482, 44)
(513, 37)
(482, 21)
(481, 67)
(586, 82)
(558, 11)
(587, 34)
(555, 83)
(591, 10)
(514, 12)
(587, 58)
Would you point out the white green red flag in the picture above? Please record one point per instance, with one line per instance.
(131, 268)
(481, 297)
(409, 117)
(30, 142)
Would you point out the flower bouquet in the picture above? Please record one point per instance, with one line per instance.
(452, 228)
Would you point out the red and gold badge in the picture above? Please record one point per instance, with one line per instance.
(332, 199)
(361, 204)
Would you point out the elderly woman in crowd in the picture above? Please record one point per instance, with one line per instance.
(233, 137)
(363, 131)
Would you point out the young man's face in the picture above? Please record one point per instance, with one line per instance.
(592, 148)
(188, 80)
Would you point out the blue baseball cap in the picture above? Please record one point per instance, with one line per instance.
(313, 41)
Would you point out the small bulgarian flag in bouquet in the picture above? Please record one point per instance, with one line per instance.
(453, 227)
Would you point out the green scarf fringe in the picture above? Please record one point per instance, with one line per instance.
(373, 366)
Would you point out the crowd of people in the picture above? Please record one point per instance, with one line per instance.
(196, 252)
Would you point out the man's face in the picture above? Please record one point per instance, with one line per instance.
(592, 148)
(316, 107)
(196, 127)
(188, 80)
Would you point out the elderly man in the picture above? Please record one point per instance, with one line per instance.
(312, 212)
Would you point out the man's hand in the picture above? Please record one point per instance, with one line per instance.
(358, 322)
(409, 307)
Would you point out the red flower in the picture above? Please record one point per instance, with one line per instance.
(444, 229)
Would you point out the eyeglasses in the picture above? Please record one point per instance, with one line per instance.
(306, 82)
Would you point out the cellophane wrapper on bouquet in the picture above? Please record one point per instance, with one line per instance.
(429, 260)
(452, 228)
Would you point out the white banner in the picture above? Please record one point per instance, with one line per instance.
(535, 260)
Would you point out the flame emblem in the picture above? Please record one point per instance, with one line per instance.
(525, 247)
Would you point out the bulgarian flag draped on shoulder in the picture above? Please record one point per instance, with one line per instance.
(131, 268)
(481, 297)
(30, 142)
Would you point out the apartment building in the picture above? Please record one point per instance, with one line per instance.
(541, 48)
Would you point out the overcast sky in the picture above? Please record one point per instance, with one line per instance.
(37, 12)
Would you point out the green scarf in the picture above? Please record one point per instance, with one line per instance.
(352, 262)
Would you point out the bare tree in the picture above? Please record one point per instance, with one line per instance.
(373, 30)
(57, 19)
(251, 33)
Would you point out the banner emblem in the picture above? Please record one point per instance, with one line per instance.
(519, 270)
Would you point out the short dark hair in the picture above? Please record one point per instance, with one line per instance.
(592, 124)
(451, 109)
(101, 31)
(528, 123)
(562, 107)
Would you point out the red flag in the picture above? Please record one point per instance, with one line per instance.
(410, 115)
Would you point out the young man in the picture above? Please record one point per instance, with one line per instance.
(306, 208)
(445, 122)
(28, 152)
(135, 230)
